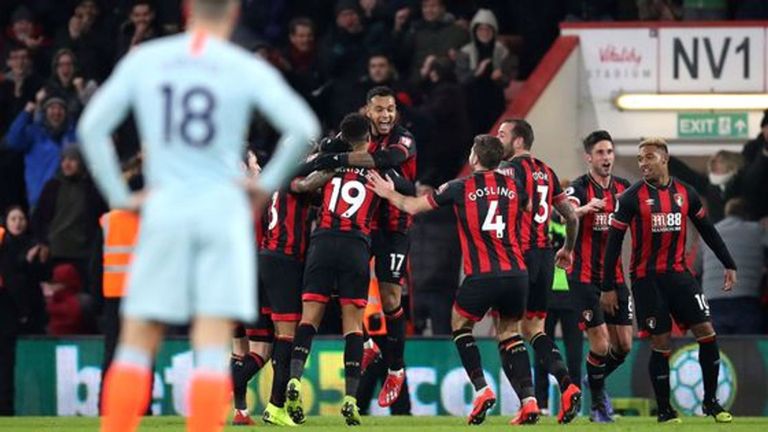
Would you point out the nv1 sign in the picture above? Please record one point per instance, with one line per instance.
(709, 125)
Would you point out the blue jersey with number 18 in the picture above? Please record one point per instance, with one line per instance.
(193, 96)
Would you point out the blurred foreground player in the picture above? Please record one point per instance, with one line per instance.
(656, 210)
(487, 205)
(193, 95)
(542, 187)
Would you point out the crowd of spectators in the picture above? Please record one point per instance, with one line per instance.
(453, 64)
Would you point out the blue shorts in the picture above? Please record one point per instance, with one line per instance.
(194, 257)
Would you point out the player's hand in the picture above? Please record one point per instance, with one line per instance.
(594, 205)
(730, 280)
(609, 302)
(328, 161)
(253, 167)
(380, 186)
(564, 258)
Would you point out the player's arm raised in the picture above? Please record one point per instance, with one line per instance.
(385, 188)
(101, 117)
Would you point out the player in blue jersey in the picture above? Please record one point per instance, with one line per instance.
(192, 95)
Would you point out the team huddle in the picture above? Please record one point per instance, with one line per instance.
(192, 266)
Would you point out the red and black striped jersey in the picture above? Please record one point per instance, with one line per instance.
(593, 228)
(541, 184)
(658, 220)
(487, 206)
(288, 224)
(400, 139)
(348, 206)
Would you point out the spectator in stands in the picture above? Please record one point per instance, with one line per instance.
(87, 35)
(344, 54)
(717, 185)
(484, 67)
(751, 180)
(445, 106)
(374, 11)
(738, 311)
(24, 31)
(21, 299)
(300, 63)
(66, 220)
(754, 147)
(659, 10)
(41, 137)
(436, 34)
(265, 20)
(18, 85)
(63, 295)
(141, 26)
(67, 82)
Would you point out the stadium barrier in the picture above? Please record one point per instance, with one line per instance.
(63, 376)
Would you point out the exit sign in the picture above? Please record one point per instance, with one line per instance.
(706, 125)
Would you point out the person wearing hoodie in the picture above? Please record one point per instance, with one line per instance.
(41, 135)
(62, 301)
(66, 220)
(484, 67)
(435, 35)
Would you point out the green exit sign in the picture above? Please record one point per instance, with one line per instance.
(708, 125)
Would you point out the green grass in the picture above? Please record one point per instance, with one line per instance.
(398, 424)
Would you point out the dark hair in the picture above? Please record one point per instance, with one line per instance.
(11, 208)
(354, 127)
(300, 22)
(146, 3)
(736, 207)
(488, 150)
(380, 91)
(594, 138)
(444, 68)
(522, 129)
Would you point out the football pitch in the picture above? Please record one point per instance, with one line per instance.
(421, 424)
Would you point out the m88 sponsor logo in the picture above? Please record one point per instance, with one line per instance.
(666, 222)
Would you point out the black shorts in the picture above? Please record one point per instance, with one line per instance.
(262, 330)
(669, 294)
(586, 300)
(281, 280)
(390, 248)
(541, 274)
(337, 263)
(504, 294)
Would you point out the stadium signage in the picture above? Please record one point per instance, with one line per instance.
(63, 377)
(635, 58)
(708, 125)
